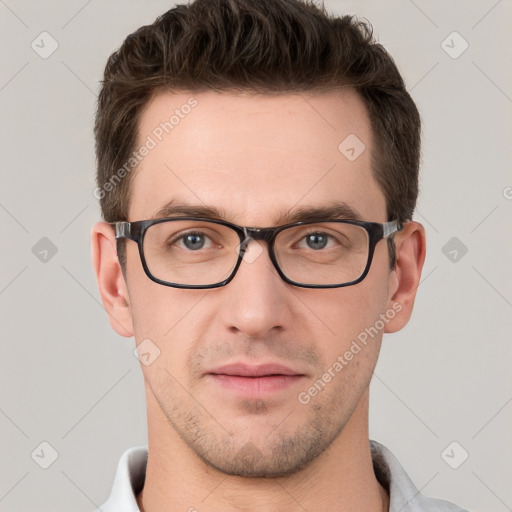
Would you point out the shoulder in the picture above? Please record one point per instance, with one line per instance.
(403, 494)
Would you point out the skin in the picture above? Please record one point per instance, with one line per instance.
(253, 158)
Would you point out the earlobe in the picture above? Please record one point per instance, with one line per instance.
(110, 279)
(404, 280)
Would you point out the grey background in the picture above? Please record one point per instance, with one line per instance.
(67, 379)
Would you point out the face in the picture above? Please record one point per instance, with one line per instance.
(255, 158)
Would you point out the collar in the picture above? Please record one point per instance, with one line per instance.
(403, 494)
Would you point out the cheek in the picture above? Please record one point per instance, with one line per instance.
(350, 318)
(165, 321)
(346, 312)
(157, 310)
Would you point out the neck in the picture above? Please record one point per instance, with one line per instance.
(340, 479)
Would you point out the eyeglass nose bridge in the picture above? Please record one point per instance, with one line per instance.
(267, 235)
(264, 234)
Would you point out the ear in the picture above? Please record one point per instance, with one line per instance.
(404, 280)
(110, 279)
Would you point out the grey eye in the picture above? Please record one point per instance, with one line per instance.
(193, 241)
(316, 241)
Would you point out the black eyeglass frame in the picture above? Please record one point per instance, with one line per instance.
(136, 231)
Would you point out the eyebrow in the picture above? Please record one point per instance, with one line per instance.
(337, 210)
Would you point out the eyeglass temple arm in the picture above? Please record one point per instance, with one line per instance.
(388, 228)
(123, 229)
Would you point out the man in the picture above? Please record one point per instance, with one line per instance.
(257, 172)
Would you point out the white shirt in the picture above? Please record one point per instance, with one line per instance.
(403, 495)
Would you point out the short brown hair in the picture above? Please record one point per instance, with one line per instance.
(263, 46)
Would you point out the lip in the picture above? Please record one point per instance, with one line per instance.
(254, 381)
(245, 370)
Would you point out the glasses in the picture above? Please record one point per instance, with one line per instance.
(187, 252)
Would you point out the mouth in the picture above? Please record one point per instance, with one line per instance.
(254, 381)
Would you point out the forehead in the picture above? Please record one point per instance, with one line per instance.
(253, 157)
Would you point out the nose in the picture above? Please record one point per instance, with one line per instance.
(257, 299)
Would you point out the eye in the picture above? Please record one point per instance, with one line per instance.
(192, 241)
(317, 241)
